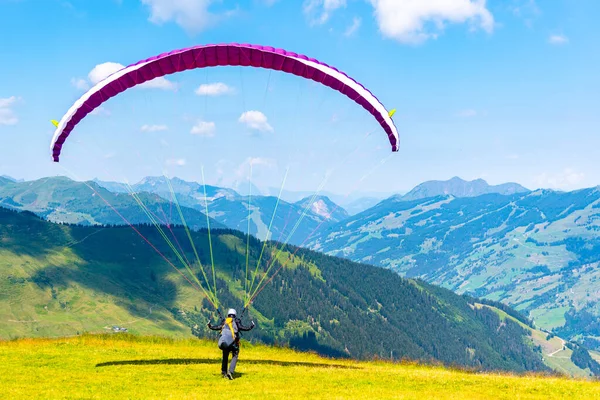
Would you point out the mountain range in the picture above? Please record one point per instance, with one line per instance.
(232, 209)
(63, 200)
(69, 279)
(538, 251)
(460, 188)
(352, 203)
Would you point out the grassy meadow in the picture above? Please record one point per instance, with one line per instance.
(132, 367)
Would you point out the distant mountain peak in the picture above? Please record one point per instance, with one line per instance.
(324, 207)
(152, 180)
(458, 187)
(9, 178)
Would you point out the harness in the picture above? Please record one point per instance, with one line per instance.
(229, 323)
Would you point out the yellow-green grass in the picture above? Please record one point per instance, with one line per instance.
(129, 367)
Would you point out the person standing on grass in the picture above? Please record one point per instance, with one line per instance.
(229, 341)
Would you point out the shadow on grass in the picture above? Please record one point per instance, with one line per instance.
(186, 361)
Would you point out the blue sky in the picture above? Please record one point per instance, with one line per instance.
(505, 90)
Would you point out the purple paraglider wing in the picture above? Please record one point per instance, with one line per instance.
(221, 55)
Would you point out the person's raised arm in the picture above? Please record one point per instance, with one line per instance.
(216, 327)
(245, 328)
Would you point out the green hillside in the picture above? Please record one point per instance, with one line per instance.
(555, 352)
(58, 280)
(537, 252)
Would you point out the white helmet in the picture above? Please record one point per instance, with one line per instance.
(231, 312)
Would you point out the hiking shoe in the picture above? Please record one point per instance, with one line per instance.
(230, 376)
(223, 374)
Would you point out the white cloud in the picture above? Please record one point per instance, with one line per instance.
(256, 120)
(100, 111)
(159, 83)
(154, 128)
(319, 11)
(191, 15)
(204, 128)
(468, 113)
(179, 162)
(566, 179)
(527, 10)
(351, 30)
(6, 102)
(413, 21)
(103, 71)
(80, 83)
(267, 162)
(213, 89)
(7, 115)
(558, 39)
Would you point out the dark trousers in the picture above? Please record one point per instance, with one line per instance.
(235, 351)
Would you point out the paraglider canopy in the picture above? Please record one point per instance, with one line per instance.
(222, 55)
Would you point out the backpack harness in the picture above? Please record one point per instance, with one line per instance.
(229, 323)
(226, 341)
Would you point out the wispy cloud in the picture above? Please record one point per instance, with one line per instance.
(467, 113)
(220, 166)
(527, 10)
(353, 28)
(256, 120)
(204, 128)
(100, 111)
(192, 15)
(244, 168)
(154, 128)
(558, 39)
(7, 114)
(214, 89)
(175, 162)
(566, 179)
(319, 11)
(414, 22)
(80, 83)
